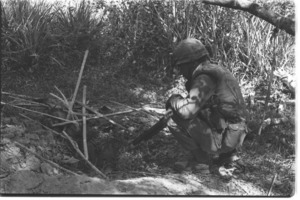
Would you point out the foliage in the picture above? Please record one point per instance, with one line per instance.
(39, 35)
(141, 32)
(25, 34)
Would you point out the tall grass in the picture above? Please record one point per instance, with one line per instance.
(25, 34)
(141, 34)
(40, 36)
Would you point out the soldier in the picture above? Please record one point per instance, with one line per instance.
(210, 121)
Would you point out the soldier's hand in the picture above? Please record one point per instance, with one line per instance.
(172, 101)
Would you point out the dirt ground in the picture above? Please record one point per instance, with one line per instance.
(27, 171)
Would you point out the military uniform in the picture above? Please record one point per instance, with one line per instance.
(212, 118)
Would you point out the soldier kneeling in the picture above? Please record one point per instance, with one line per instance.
(211, 121)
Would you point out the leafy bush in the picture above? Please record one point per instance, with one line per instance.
(142, 33)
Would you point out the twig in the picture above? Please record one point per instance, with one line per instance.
(75, 146)
(100, 115)
(84, 123)
(96, 117)
(45, 114)
(135, 109)
(66, 104)
(65, 100)
(34, 103)
(78, 83)
(18, 95)
(31, 105)
(271, 187)
(48, 161)
(46, 127)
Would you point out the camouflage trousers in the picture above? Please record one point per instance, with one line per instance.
(195, 135)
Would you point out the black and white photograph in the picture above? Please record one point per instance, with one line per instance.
(148, 98)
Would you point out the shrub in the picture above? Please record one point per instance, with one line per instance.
(25, 34)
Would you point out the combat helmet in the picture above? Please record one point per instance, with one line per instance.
(189, 50)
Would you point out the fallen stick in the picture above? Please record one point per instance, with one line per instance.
(45, 114)
(36, 103)
(96, 117)
(44, 159)
(75, 146)
(30, 105)
(20, 95)
(85, 149)
(46, 127)
(271, 187)
(78, 83)
(100, 115)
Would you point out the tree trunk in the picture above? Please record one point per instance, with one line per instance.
(275, 19)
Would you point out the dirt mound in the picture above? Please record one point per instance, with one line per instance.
(24, 173)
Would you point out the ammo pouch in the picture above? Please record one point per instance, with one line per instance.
(234, 135)
(231, 137)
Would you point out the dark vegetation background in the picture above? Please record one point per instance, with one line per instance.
(129, 61)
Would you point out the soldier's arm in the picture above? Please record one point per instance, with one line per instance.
(202, 89)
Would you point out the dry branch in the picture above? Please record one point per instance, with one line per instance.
(45, 114)
(75, 146)
(30, 102)
(100, 115)
(24, 97)
(96, 117)
(271, 187)
(84, 124)
(46, 127)
(269, 16)
(48, 161)
(78, 83)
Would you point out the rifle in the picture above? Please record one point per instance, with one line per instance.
(155, 129)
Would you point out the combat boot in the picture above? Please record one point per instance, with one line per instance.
(191, 160)
(227, 164)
